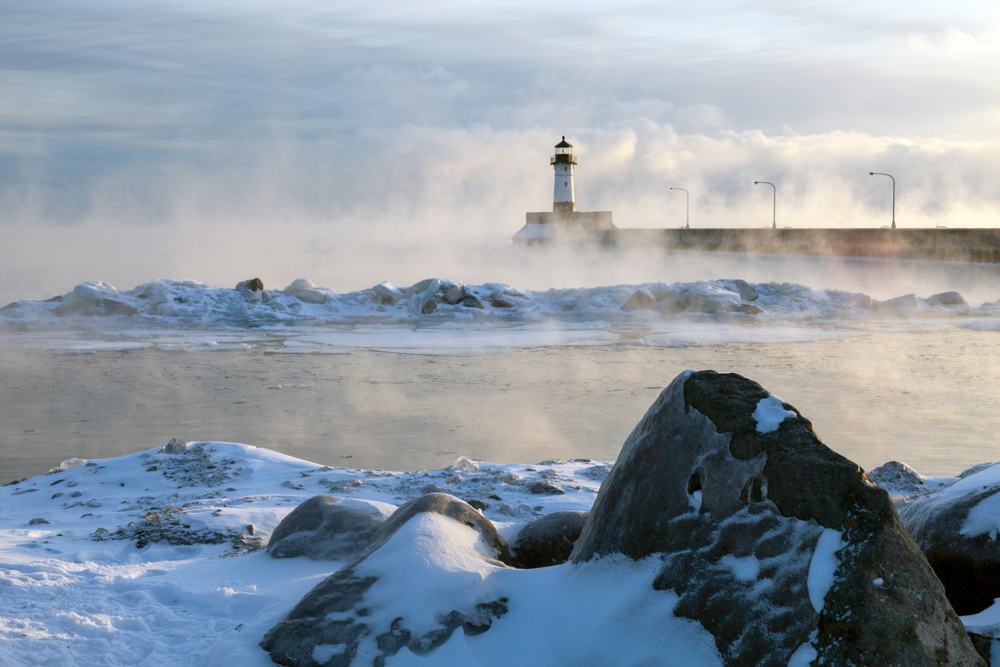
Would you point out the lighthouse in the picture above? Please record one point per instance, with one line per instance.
(563, 199)
(564, 220)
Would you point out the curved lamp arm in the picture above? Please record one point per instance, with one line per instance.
(879, 173)
(774, 211)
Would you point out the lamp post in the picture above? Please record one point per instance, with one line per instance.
(687, 215)
(879, 173)
(774, 209)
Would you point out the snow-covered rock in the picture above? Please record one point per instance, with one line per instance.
(453, 294)
(946, 299)
(251, 290)
(904, 303)
(958, 529)
(773, 542)
(304, 290)
(640, 300)
(898, 479)
(410, 587)
(549, 540)
(387, 294)
(325, 527)
(746, 291)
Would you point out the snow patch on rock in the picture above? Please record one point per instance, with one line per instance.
(823, 566)
(770, 413)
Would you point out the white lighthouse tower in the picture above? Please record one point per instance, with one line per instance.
(563, 199)
(564, 220)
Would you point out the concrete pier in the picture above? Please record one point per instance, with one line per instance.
(952, 245)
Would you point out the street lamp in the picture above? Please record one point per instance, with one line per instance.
(774, 210)
(687, 215)
(879, 173)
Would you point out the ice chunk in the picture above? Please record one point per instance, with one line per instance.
(95, 291)
(12, 312)
(69, 464)
(463, 464)
(418, 301)
(308, 295)
(386, 293)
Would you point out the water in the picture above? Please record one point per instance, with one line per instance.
(928, 398)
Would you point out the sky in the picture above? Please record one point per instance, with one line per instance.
(154, 139)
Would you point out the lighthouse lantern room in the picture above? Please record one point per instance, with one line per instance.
(563, 200)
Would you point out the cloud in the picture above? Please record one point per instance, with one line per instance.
(488, 177)
(954, 43)
(373, 125)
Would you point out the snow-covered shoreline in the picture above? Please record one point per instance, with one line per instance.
(154, 558)
(78, 589)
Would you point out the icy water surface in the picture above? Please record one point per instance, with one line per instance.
(927, 397)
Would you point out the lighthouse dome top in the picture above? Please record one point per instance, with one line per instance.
(564, 148)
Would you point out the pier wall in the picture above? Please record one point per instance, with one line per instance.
(959, 245)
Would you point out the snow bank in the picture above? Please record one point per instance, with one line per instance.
(191, 303)
(156, 558)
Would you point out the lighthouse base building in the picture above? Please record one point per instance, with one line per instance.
(543, 227)
(564, 220)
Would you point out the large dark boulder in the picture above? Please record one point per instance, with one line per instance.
(325, 528)
(957, 529)
(549, 540)
(358, 609)
(776, 544)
